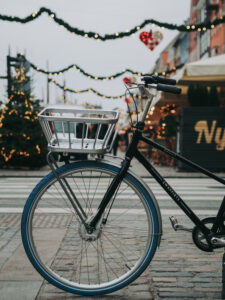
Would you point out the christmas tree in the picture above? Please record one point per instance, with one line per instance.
(22, 143)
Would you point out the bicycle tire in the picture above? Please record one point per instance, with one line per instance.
(38, 226)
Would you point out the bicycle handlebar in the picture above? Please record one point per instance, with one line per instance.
(157, 79)
(168, 88)
(160, 83)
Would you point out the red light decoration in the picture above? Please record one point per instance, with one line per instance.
(129, 80)
(151, 39)
(126, 79)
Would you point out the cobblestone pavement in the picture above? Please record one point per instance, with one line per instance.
(178, 271)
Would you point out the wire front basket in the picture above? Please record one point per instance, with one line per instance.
(78, 130)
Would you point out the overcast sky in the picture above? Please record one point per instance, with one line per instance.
(43, 40)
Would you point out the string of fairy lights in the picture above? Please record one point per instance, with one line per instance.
(89, 90)
(63, 87)
(118, 35)
(90, 76)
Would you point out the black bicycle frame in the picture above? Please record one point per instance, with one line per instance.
(133, 152)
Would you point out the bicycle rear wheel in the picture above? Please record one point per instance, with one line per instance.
(58, 245)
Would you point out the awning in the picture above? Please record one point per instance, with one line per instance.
(209, 71)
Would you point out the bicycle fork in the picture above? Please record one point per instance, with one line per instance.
(108, 195)
(67, 189)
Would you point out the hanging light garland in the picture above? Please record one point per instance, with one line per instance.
(164, 73)
(77, 68)
(118, 35)
(84, 91)
(110, 77)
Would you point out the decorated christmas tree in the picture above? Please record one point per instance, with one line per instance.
(22, 143)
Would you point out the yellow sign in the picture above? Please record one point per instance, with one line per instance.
(210, 134)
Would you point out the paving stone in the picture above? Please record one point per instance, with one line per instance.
(19, 290)
(178, 271)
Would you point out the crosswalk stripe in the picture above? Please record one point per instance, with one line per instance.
(203, 193)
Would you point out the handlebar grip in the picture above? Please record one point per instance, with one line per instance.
(165, 80)
(168, 88)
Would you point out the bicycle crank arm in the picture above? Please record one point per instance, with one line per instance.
(218, 241)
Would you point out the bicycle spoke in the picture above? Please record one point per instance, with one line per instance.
(119, 249)
(112, 251)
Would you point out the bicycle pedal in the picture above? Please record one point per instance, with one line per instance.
(174, 222)
(176, 226)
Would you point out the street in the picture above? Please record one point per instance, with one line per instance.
(178, 271)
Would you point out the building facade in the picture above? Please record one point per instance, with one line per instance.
(193, 46)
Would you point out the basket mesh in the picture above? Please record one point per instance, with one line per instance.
(80, 131)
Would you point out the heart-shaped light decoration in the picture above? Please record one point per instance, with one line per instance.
(129, 80)
(151, 39)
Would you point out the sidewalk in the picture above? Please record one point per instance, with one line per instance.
(136, 167)
(179, 270)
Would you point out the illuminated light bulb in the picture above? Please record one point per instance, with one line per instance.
(212, 26)
(193, 27)
(188, 27)
(199, 29)
(52, 15)
(127, 30)
(138, 28)
(96, 35)
(117, 34)
(204, 28)
(96, 78)
(124, 70)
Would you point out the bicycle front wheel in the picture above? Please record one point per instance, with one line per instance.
(58, 245)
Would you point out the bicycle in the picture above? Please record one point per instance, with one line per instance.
(79, 229)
